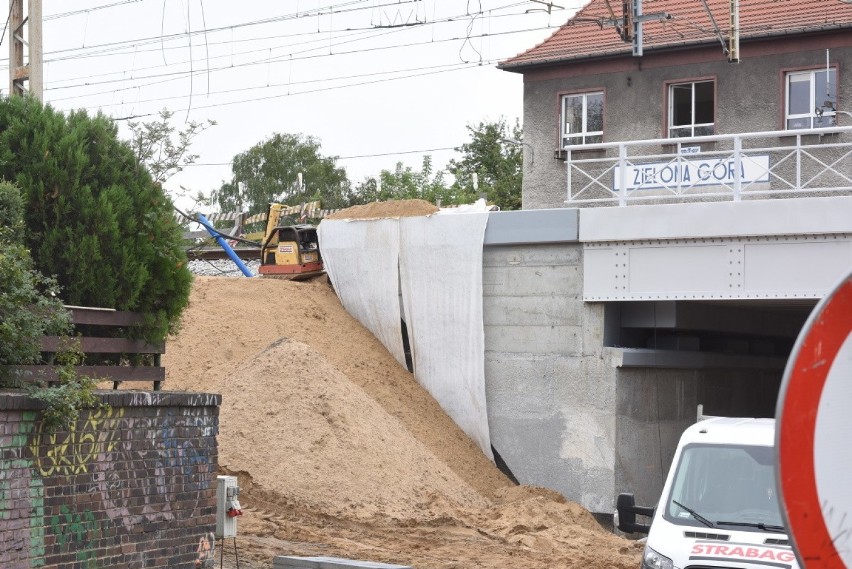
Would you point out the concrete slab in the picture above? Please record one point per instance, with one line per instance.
(531, 311)
(532, 226)
(526, 256)
(532, 281)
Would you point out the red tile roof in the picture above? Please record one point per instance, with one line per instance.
(584, 36)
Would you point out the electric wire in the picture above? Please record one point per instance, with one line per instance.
(87, 10)
(366, 30)
(125, 46)
(270, 97)
(715, 27)
(175, 36)
(6, 25)
(352, 157)
(447, 67)
(177, 75)
(189, 61)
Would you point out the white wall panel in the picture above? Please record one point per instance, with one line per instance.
(679, 269)
(715, 268)
(797, 267)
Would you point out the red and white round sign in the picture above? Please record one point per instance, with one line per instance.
(813, 435)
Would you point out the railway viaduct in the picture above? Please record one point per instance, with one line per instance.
(606, 327)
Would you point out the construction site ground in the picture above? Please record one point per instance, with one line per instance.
(340, 452)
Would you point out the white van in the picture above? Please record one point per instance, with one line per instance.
(719, 507)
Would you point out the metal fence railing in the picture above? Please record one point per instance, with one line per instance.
(730, 167)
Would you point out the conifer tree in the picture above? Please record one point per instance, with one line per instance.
(94, 217)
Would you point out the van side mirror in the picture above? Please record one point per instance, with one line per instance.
(626, 512)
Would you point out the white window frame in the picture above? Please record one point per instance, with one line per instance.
(579, 138)
(828, 116)
(692, 124)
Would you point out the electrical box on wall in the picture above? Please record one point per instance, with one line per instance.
(228, 507)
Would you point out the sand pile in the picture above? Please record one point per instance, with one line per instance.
(359, 459)
(230, 321)
(390, 209)
(340, 452)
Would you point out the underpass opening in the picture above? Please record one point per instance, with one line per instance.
(674, 355)
(737, 349)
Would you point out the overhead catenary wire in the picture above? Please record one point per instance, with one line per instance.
(270, 97)
(128, 43)
(348, 31)
(445, 67)
(177, 75)
(87, 10)
(6, 25)
(132, 46)
(352, 157)
(357, 37)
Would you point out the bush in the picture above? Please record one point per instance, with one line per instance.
(94, 218)
(30, 309)
(71, 392)
(29, 305)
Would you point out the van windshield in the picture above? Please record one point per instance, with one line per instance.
(726, 483)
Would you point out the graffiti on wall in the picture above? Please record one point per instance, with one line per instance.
(19, 488)
(72, 451)
(126, 467)
(206, 551)
(130, 500)
(78, 533)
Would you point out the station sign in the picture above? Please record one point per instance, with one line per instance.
(693, 172)
(813, 434)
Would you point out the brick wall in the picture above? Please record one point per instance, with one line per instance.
(130, 486)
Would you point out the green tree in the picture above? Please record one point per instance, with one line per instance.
(495, 155)
(269, 172)
(160, 148)
(94, 217)
(404, 183)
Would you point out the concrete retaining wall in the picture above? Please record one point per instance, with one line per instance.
(130, 486)
(561, 415)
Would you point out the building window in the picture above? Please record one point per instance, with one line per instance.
(691, 109)
(582, 119)
(811, 99)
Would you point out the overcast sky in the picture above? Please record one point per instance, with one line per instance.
(366, 77)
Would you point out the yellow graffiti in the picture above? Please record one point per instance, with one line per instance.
(71, 452)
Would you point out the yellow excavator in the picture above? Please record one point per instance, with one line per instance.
(289, 251)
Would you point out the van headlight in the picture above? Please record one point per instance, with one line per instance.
(653, 560)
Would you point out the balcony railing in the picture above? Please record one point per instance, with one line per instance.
(711, 168)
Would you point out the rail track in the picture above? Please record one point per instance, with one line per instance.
(213, 253)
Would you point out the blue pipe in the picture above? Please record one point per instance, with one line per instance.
(224, 244)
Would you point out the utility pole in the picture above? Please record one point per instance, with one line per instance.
(631, 22)
(25, 78)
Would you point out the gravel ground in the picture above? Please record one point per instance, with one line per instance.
(220, 268)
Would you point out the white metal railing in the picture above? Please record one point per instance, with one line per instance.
(701, 168)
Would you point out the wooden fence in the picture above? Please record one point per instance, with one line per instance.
(120, 349)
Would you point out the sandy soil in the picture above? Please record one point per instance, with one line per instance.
(340, 452)
(390, 209)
